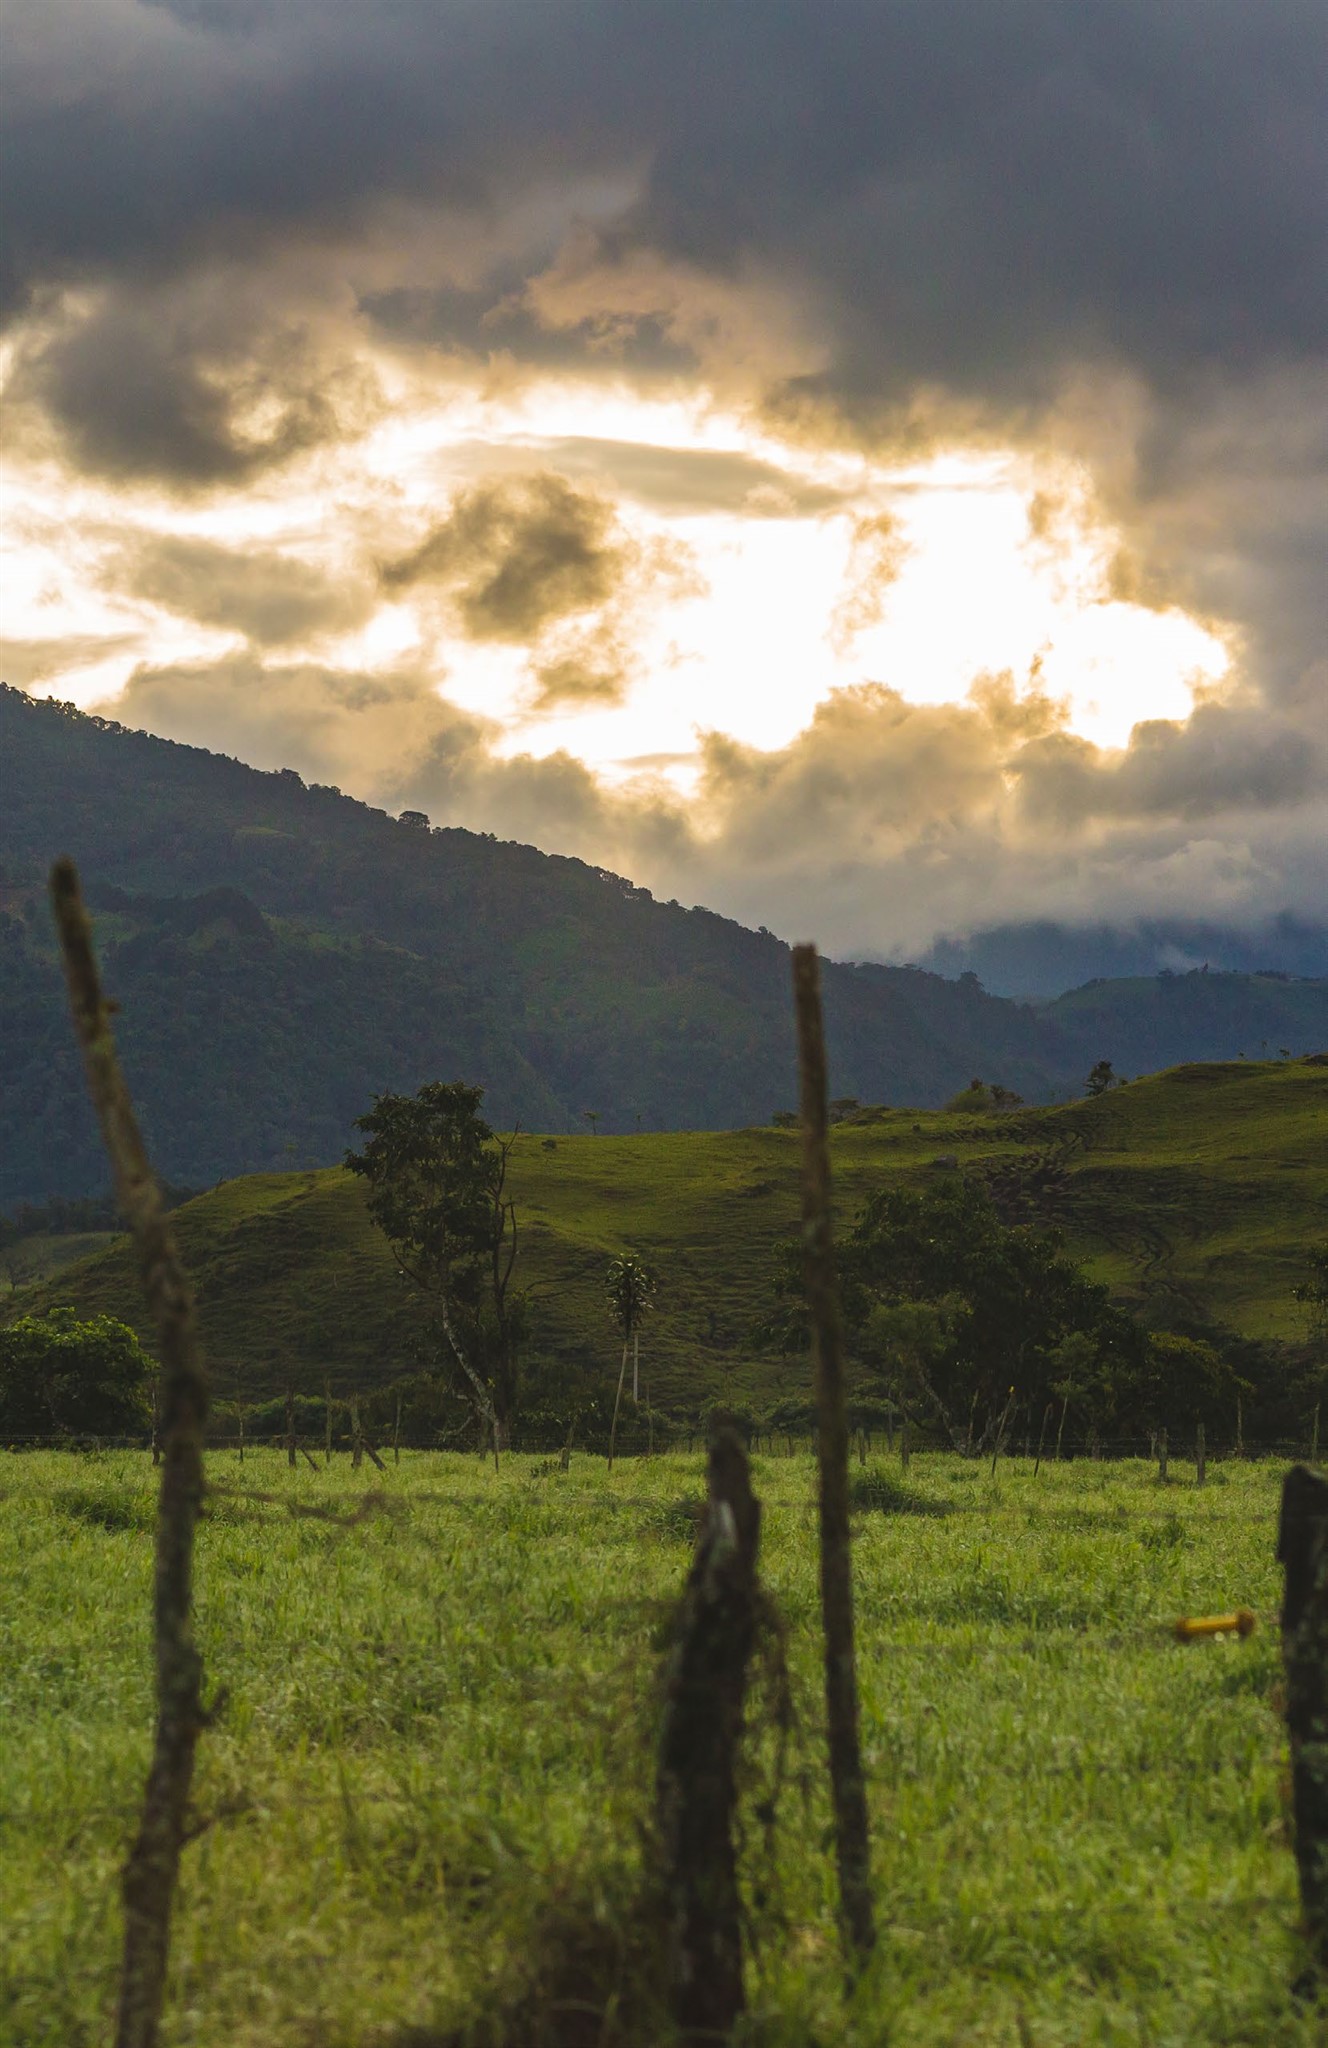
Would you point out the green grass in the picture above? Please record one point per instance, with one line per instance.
(1206, 1184)
(31, 1260)
(435, 1750)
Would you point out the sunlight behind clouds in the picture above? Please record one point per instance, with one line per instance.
(795, 572)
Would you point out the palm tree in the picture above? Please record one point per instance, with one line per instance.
(629, 1286)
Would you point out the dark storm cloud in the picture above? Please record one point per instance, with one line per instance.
(517, 554)
(1220, 760)
(201, 381)
(268, 597)
(1146, 170)
(973, 195)
(538, 563)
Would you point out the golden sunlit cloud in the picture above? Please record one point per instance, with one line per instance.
(782, 575)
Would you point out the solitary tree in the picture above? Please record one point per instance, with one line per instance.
(629, 1286)
(437, 1180)
(1101, 1078)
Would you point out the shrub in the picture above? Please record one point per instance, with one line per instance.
(60, 1376)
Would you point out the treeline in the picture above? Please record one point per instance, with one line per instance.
(73, 1215)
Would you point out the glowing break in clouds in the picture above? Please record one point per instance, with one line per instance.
(662, 432)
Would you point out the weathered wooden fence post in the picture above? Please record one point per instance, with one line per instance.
(152, 1867)
(327, 1422)
(1060, 1432)
(848, 1787)
(356, 1434)
(1302, 1551)
(1042, 1437)
(1001, 1426)
(1162, 1455)
(695, 1784)
(1200, 1456)
(290, 1427)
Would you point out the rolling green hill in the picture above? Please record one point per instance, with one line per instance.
(282, 953)
(1199, 1189)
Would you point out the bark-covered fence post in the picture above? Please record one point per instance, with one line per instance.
(1302, 1551)
(290, 1427)
(152, 1867)
(696, 1784)
(847, 1784)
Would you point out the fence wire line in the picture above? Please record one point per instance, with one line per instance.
(1117, 1449)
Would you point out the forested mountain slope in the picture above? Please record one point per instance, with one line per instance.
(281, 953)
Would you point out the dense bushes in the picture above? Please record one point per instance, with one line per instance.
(60, 1376)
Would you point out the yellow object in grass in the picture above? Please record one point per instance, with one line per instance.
(1241, 1623)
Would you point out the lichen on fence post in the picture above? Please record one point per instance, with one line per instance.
(152, 1868)
(1302, 1551)
(848, 1788)
(696, 1781)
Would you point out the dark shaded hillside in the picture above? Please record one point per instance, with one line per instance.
(280, 953)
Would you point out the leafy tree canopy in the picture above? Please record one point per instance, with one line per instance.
(952, 1309)
(436, 1178)
(63, 1376)
(959, 1308)
(629, 1285)
(983, 1098)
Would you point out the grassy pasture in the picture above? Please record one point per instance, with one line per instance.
(423, 1789)
(1207, 1182)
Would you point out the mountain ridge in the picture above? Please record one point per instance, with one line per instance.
(281, 952)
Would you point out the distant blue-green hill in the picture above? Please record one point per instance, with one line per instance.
(281, 953)
(1041, 958)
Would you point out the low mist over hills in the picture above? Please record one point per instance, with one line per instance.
(282, 952)
(1042, 959)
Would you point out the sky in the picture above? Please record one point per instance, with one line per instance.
(858, 464)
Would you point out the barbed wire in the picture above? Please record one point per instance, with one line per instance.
(762, 1444)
